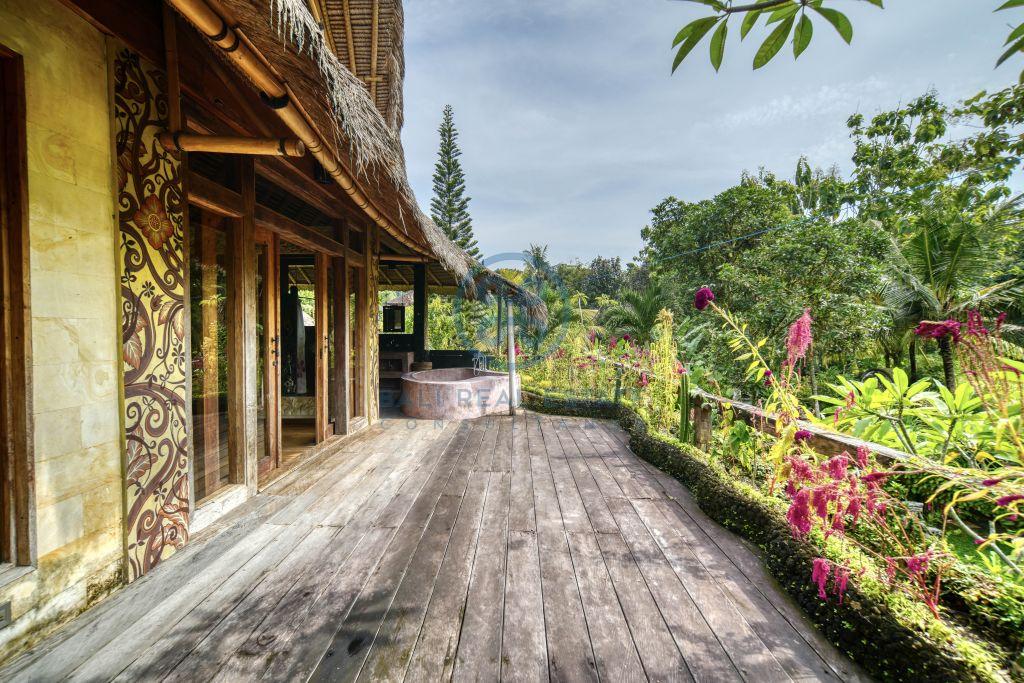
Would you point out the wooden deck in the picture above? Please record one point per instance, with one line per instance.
(523, 549)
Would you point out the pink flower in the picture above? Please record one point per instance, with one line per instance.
(800, 468)
(862, 456)
(644, 381)
(837, 466)
(768, 377)
(1006, 500)
(853, 509)
(918, 564)
(874, 477)
(799, 513)
(1000, 319)
(802, 435)
(820, 498)
(976, 325)
(799, 339)
(702, 298)
(938, 330)
(680, 370)
(819, 575)
(626, 338)
(890, 568)
(991, 482)
(842, 577)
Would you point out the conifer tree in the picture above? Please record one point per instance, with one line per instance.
(450, 207)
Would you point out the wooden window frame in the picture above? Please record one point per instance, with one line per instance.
(17, 505)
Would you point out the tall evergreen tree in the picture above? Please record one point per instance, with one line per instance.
(450, 207)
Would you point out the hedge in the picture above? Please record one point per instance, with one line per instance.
(883, 631)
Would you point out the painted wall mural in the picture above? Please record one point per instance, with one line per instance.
(154, 341)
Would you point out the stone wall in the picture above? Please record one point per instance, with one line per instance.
(75, 320)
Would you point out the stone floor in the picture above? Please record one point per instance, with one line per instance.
(531, 548)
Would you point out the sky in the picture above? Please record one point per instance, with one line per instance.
(572, 128)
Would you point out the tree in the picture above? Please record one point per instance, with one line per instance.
(945, 202)
(789, 17)
(603, 278)
(636, 314)
(450, 207)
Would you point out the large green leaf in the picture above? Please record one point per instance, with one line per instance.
(802, 35)
(694, 36)
(695, 25)
(1010, 4)
(773, 43)
(1018, 46)
(748, 22)
(838, 20)
(718, 45)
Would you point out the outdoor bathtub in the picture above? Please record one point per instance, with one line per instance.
(454, 393)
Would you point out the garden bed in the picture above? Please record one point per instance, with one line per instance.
(887, 634)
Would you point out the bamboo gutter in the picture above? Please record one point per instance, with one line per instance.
(278, 97)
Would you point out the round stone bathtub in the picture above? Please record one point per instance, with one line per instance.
(454, 393)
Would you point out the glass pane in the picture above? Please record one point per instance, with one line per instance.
(355, 352)
(262, 281)
(209, 306)
(332, 366)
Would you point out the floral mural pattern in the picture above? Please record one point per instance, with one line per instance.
(154, 344)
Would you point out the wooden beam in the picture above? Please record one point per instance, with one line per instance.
(214, 197)
(298, 234)
(322, 352)
(244, 468)
(347, 14)
(403, 258)
(373, 50)
(341, 335)
(225, 144)
(287, 177)
(171, 63)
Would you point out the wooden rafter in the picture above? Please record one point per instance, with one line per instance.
(349, 40)
(373, 50)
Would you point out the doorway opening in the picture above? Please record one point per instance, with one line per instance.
(298, 351)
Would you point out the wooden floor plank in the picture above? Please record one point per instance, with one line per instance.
(479, 653)
(614, 650)
(658, 651)
(517, 548)
(523, 643)
(433, 657)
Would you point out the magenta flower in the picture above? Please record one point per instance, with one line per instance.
(799, 339)
(991, 482)
(938, 330)
(842, 577)
(702, 298)
(862, 456)
(1006, 500)
(768, 374)
(918, 564)
(1000, 319)
(976, 325)
(802, 435)
(819, 575)
(837, 466)
(643, 379)
(799, 513)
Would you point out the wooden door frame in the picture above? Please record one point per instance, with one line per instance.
(271, 352)
(17, 526)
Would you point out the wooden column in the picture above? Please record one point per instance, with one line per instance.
(242, 335)
(419, 310)
(322, 340)
(341, 335)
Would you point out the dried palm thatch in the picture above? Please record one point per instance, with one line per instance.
(376, 150)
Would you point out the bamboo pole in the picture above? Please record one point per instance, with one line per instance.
(227, 144)
(512, 394)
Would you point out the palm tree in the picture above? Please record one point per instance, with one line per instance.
(945, 269)
(636, 313)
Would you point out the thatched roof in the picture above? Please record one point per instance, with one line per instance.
(339, 103)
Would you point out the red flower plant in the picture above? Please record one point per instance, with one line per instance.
(802, 435)
(799, 339)
(702, 298)
(938, 330)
